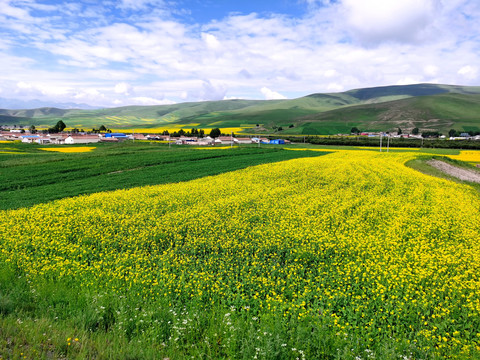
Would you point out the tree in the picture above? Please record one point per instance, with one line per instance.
(415, 131)
(102, 128)
(452, 133)
(399, 131)
(214, 133)
(32, 129)
(354, 130)
(429, 134)
(60, 126)
(280, 128)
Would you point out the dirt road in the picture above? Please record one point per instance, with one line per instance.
(459, 173)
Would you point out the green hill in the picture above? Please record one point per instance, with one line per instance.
(435, 113)
(426, 106)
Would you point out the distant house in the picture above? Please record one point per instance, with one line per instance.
(57, 138)
(205, 141)
(43, 140)
(186, 140)
(7, 135)
(243, 141)
(82, 139)
(119, 136)
(225, 140)
(109, 139)
(29, 138)
(158, 137)
(138, 137)
(277, 142)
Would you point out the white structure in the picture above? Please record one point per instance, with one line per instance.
(82, 139)
(29, 138)
(242, 141)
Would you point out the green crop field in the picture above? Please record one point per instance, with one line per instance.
(29, 175)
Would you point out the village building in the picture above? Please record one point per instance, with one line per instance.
(82, 139)
(138, 137)
(243, 140)
(30, 139)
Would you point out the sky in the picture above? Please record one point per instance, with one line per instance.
(152, 52)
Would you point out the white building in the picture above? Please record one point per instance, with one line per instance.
(82, 139)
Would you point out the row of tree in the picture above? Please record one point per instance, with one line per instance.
(200, 133)
(356, 131)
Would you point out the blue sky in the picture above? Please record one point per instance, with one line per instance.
(146, 52)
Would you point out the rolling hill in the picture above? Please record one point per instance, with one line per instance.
(426, 106)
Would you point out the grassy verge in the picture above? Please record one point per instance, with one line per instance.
(421, 164)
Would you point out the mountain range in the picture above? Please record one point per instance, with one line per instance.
(429, 107)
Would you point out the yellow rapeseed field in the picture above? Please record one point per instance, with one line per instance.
(76, 149)
(356, 239)
(471, 156)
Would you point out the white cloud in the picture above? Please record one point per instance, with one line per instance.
(469, 72)
(335, 87)
(148, 101)
(123, 88)
(408, 81)
(270, 94)
(211, 41)
(374, 21)
(330, 73)
(431, 70)
(94, 52)
(12, 11)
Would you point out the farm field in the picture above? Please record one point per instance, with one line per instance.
(31, 174)
(348, 255)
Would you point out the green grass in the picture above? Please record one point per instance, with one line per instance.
(37, 176)
(437, 112)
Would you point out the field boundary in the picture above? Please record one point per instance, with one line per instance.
(461, 174)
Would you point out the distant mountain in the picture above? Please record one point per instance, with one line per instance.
(428, 113)
(385, 108)
(33, 104)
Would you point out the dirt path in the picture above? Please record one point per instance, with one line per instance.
(462, 174)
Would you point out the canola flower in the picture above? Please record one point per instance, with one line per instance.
(78, 149)
(10, 150)
(353, 238)
(470, 156)
(187, 127)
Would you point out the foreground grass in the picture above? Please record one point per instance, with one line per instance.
(30, 175)
(56, 322)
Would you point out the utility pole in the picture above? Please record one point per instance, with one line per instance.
(381, 135)
(388, 142)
